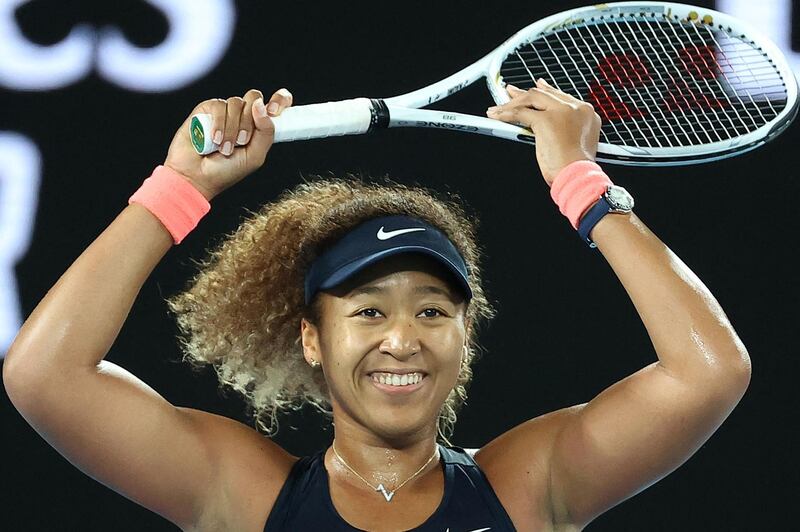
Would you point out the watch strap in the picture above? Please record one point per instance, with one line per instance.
(590, 219)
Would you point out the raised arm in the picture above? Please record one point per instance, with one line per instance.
(642, 428)
(104, 420)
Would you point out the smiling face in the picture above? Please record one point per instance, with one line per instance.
(400, 316)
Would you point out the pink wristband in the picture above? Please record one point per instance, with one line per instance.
(576, 187)
(173, 200)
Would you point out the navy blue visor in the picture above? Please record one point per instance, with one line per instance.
(376, 240)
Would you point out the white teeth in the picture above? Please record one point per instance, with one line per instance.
(397, 380)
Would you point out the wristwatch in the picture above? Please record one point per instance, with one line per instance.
(615, 200)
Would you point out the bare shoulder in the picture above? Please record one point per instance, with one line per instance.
(517, 465)
(251, 471)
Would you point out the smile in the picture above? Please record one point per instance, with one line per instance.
(400, 389)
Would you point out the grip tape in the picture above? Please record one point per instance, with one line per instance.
(320, 120)
(304, 122)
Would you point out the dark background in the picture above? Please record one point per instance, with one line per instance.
(565, 329)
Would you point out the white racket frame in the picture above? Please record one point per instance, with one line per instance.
(356, 116)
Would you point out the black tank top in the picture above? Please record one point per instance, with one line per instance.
(469, 503)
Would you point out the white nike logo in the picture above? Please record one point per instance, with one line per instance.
(386, 235)
(476, 530)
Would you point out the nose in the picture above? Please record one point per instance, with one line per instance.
(401, 339)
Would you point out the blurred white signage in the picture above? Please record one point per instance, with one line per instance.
(20, 173)
(773, 18)
(199, 34)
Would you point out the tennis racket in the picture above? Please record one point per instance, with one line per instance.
(673, 83)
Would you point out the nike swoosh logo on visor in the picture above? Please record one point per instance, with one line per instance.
(476, 530)
(386, 235)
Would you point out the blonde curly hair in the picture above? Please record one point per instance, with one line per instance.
(241, 312)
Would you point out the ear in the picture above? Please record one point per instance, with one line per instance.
(309, 335)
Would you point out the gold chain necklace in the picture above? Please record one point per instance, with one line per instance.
(380, 487)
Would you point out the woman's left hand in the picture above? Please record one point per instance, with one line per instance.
(566, 129)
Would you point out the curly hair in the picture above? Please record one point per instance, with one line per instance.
(241, 312)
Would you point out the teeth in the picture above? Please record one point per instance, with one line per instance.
(397, 380)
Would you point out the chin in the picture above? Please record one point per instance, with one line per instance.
(401, 427)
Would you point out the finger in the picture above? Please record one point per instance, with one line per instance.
(280, 100)
(520, 115)
(246, 123)
(233, 114)
(217, 109)
(264, 132)
(260, 119)
(542, 84)
(514, 91)
(533, 98)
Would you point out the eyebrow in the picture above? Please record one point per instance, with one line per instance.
(426, 289)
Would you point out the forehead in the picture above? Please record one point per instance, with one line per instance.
(404, 269)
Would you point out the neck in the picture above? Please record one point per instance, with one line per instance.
(380, 460)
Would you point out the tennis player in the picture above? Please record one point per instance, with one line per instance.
(365, 300)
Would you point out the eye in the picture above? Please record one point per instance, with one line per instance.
(369, 313)
(431, 313)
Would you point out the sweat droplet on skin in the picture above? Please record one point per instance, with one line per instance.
(387, 479)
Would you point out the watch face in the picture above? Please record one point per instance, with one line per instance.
(619, 198)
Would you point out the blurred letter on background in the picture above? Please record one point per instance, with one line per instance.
(20, 168)
(773, 18)
(199, 34)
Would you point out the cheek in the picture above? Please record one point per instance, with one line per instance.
(449, 359)
(451, 346)
(454, 367)
(341, 353)
(348, 346)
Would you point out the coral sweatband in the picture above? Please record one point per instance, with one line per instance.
(173, 200)
(576, 187)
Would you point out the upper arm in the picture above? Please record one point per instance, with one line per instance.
(569, 466)
(119, 431)
(517, 464)
(630, 436)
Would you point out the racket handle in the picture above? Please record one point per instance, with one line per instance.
(320, 120)
(303, 122)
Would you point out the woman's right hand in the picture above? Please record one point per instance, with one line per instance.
(244, 131)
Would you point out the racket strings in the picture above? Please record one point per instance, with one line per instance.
(695, 55)
(656, 83)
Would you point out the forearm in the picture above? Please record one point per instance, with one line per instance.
(689, 330)
(78, 320)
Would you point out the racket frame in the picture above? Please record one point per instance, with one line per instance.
(639, 156)
(362, 115)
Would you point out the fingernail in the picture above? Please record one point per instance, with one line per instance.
(513, 87)
(541, 81)
(242, 138)
(227, 148)
(217, 137)
(272, 108)
(260, 109)
(492, 110)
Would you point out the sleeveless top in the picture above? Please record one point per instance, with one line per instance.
(469, 503)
